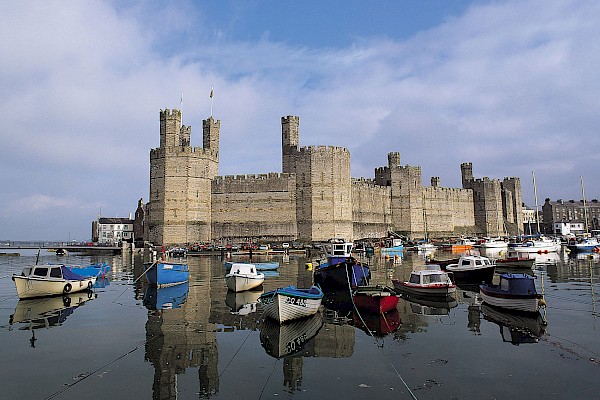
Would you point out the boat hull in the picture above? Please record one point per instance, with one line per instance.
(436, 291)
(374, 299)
(342, 274)
(516, 262)
(523, 303)
(287, 304)
(29, 287)
(240, 283)
(475, 275)
(164, 274)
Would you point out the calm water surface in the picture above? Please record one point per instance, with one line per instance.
(210, 343)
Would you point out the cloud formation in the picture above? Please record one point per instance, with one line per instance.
(510, 85)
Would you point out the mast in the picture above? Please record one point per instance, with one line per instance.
(537, 216)
(584, 206)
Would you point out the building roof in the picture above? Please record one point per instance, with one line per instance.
(105, 220)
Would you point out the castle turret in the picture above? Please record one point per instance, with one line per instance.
(466, 171)
(393, 159)
(290, 135)
(170, 128)
(210, 134)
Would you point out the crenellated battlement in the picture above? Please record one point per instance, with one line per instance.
(253, 177)
(324, 149)
(192, 152)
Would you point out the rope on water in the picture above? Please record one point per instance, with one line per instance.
(136, 279)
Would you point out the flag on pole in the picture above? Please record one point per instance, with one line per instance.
(211, 91)
(181, 101)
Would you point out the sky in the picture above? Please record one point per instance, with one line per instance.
(511, 86)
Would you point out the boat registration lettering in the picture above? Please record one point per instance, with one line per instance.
(296, 301)
(296, 344)
(167, 266)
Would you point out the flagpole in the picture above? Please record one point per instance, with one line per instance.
(211, 100)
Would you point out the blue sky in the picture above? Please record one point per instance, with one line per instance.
(512, 86)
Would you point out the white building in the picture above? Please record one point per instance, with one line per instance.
(112, 231)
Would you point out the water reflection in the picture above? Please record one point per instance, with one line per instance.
(242, 303)
(515, 327)
(291, 338)
(166, 297)
(46, 312)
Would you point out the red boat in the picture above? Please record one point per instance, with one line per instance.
(375, 299)
(378, 325)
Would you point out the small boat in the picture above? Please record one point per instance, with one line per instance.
(242, 303)
(430, 282)
(393, 245)
(166, 298)
(541, 245)
(340, 269)
(515, 292)
(50, 280)
(493, 243)
(289, 303)
(260, 266)
(289, 339)
(243, 277)
(425, 247)
(421, 305)
(472, 269)
(99, 270)
(515, 327)
(163, 274)
(378, 325)
(516, 260)
(584, 245)
(375, 299)
(461, 244)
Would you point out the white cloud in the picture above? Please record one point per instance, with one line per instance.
(510, 86)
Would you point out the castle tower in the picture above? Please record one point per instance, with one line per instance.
(179, 208)
(210, 134)
(513, 212)
(466, 171)
(290, 135)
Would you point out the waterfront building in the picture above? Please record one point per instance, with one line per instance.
(313, 198)
(112, 231)
(570, 217)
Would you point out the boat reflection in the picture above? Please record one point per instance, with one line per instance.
(166, 298)
(291, 338)
(430, 306)
(46, 312)
(515, 327)
(338, 300)
(378, 325)
(242, 303)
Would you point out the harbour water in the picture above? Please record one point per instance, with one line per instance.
(125, 341)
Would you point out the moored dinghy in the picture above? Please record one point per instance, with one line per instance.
(341, 268)
(375, 299)
(515, 292)
(289, 303)
(430, 282)
(49, 280)
(163, 274)
(472, 269)
(243, 277)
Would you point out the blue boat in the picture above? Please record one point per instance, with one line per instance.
(165, 298)
(162, 274)
(340, 269)
(584, 245)
(393, 246)
(514, 292)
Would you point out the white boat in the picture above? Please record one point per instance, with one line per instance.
(285, 340)
(50, 280)
(430, 282)
(243, 277)
(290, 303)
(493, 243)
(472, 269)
(541, 245)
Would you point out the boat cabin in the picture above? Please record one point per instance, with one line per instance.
(43, 271)
(338, 248)
(432, 275)
(517, 284)
(473, 262)
(243, 269)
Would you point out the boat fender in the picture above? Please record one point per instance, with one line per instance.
(308, 266)
(66, 301)
(542, 302)
(89, 285)
(67, 288)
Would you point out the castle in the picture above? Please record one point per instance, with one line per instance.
(313, 198)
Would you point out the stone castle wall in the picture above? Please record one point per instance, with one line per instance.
(254, 207)
(313, 199)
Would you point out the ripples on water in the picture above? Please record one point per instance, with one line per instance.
(128, 341)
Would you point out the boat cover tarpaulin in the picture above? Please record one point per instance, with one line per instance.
(70, 275)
